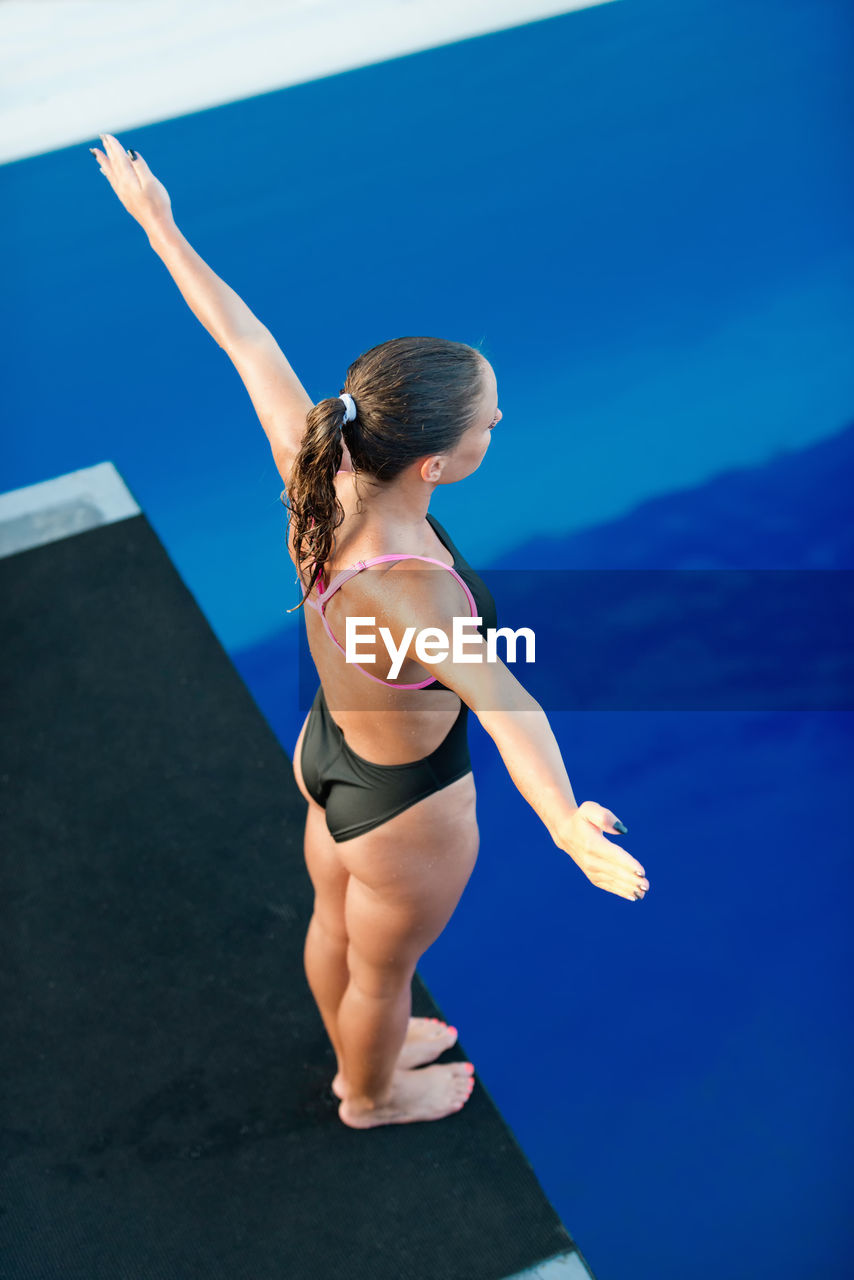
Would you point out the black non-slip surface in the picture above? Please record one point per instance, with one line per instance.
(166, 1109)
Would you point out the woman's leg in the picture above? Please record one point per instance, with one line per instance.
(325, 952)
(406, 877)
(326, 942)
(421, 902)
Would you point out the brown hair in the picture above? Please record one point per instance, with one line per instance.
(414, 397)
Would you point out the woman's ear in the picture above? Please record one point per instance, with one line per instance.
(431, 469)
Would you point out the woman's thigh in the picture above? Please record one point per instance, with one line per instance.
(401, 880)
(328, 874)
(406, 877)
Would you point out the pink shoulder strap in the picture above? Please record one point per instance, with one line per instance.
(346, 574)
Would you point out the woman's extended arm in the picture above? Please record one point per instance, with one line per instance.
(278, 396)
(407, 603)
(214, 303)
(520, 729)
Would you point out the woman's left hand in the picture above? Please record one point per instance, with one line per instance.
(144, 197)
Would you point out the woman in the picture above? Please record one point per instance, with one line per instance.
(391, 833)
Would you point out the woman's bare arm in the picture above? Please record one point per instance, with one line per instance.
(515, 721)
(279, 398)
(521, 731)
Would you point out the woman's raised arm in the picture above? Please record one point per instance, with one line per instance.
(278, 396)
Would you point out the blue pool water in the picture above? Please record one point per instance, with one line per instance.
(643, 211)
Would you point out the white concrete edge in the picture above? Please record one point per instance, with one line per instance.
(566, 1266)
(72, 69)
(63, 506)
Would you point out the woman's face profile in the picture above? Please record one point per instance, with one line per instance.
(469, 452)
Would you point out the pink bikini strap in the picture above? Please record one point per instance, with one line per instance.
(346, 574)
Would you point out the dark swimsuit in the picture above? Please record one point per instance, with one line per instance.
(356, 793)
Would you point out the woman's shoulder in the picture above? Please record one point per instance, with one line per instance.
(434, 547)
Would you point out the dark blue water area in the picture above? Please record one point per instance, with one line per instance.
(675, 1068)
(643, 212)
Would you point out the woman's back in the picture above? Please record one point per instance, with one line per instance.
(425, 714)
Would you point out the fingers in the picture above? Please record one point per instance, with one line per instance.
(618, 868)
(632, 887)
(140, 168)
(602, 819)
(632, 895)
(112, 147)
(605, 872)
(119, 162)
(622, 859)
(145, 199)
(627, 886)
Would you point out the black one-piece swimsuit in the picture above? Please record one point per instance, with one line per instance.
(358, 794)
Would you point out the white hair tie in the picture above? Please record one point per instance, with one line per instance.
(349, 405)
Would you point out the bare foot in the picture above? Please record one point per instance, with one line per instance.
(425, 1039)
(428, 1094)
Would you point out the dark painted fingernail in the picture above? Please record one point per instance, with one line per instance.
(132, 154)
(622, 829)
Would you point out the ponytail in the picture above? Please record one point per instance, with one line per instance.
(313, 502)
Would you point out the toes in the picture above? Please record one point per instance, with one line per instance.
(433, 1028)
(463, 1092)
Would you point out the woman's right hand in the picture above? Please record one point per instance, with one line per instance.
(605, 864)
(144, 196)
